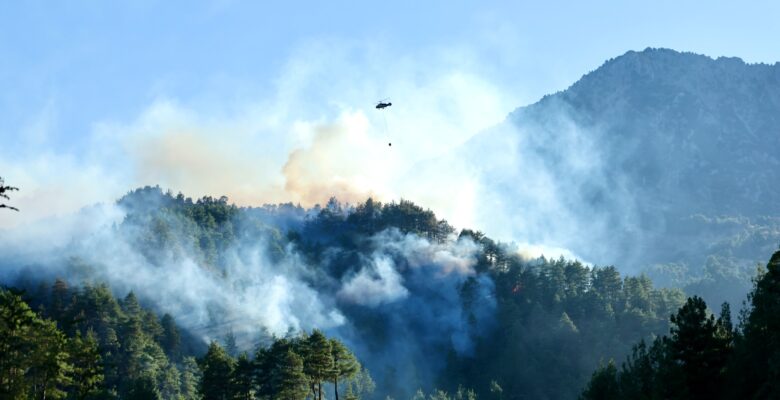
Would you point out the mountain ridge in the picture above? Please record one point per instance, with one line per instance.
(616, 167)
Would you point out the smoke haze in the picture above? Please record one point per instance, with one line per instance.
(409, 285)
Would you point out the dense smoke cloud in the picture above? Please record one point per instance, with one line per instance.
(252, 292)
(343, 161)
(409, 285)
(305, 141)
(375, 284)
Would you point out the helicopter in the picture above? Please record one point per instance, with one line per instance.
(383, 104)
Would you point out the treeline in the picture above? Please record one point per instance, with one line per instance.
(555, 320)
(201, 229)
(205, 227)
(294, 368)
(559, 317)
(705, 357)
(341, 224)
(83, 344)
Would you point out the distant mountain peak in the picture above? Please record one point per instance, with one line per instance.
(635, 148)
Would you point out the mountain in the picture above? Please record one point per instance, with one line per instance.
(659, 161)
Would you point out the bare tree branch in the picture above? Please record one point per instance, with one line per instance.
(3, 190)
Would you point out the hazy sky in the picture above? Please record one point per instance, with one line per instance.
(276, 97)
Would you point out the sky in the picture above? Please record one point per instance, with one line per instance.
(273, 101)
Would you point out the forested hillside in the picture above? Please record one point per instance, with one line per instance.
(84, 344)
(421, 305)
(704, 357)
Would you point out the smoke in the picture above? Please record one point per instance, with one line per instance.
(315, 135)
(426, 293)
(252, 292)
(424, 299)
(342, 161)
(376, 283)
(547, 185)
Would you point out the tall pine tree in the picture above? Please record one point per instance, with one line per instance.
(217, 369)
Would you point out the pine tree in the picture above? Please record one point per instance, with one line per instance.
(318, 361)
(169, 382)
(33, 355)
(603, 385)
(230, 344)
(142, 388)
(217, 368)
(130, 306)
(290, 381)
(345, 365)
(151, 326)
(267, 362)
(87, 371)
(758, 365)
(60, 300)
(16, 330)
(243, 379)
(171, 339)
(637, 376)
(697, 347)
(49, 370)
(190, 378)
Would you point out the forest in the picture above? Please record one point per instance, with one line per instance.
(704, 357)
(84, 343)
(460, 315)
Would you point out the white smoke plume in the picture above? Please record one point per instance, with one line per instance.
(413, 285)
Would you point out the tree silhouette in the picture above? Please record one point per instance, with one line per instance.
(3, 190)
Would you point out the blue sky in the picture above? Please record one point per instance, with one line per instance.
(87, 87)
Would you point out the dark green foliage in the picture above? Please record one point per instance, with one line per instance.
(217, 367)
(230, 344)
(700, 351)
(49, 370)
(277, 374)
(345, 365)
(102, 347)
(171, 339)
(707, 358)
(559, 317)
(550, 312)
(243, 379)
(267, 360)
(34, 361)
(178, 225)
(289, 379)
(557, 313)
(688, 364)
(603, 385)
(335, 224)
(318, 361)
(756, 370)
(143, 388)
(87, 371)
(190, 378)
